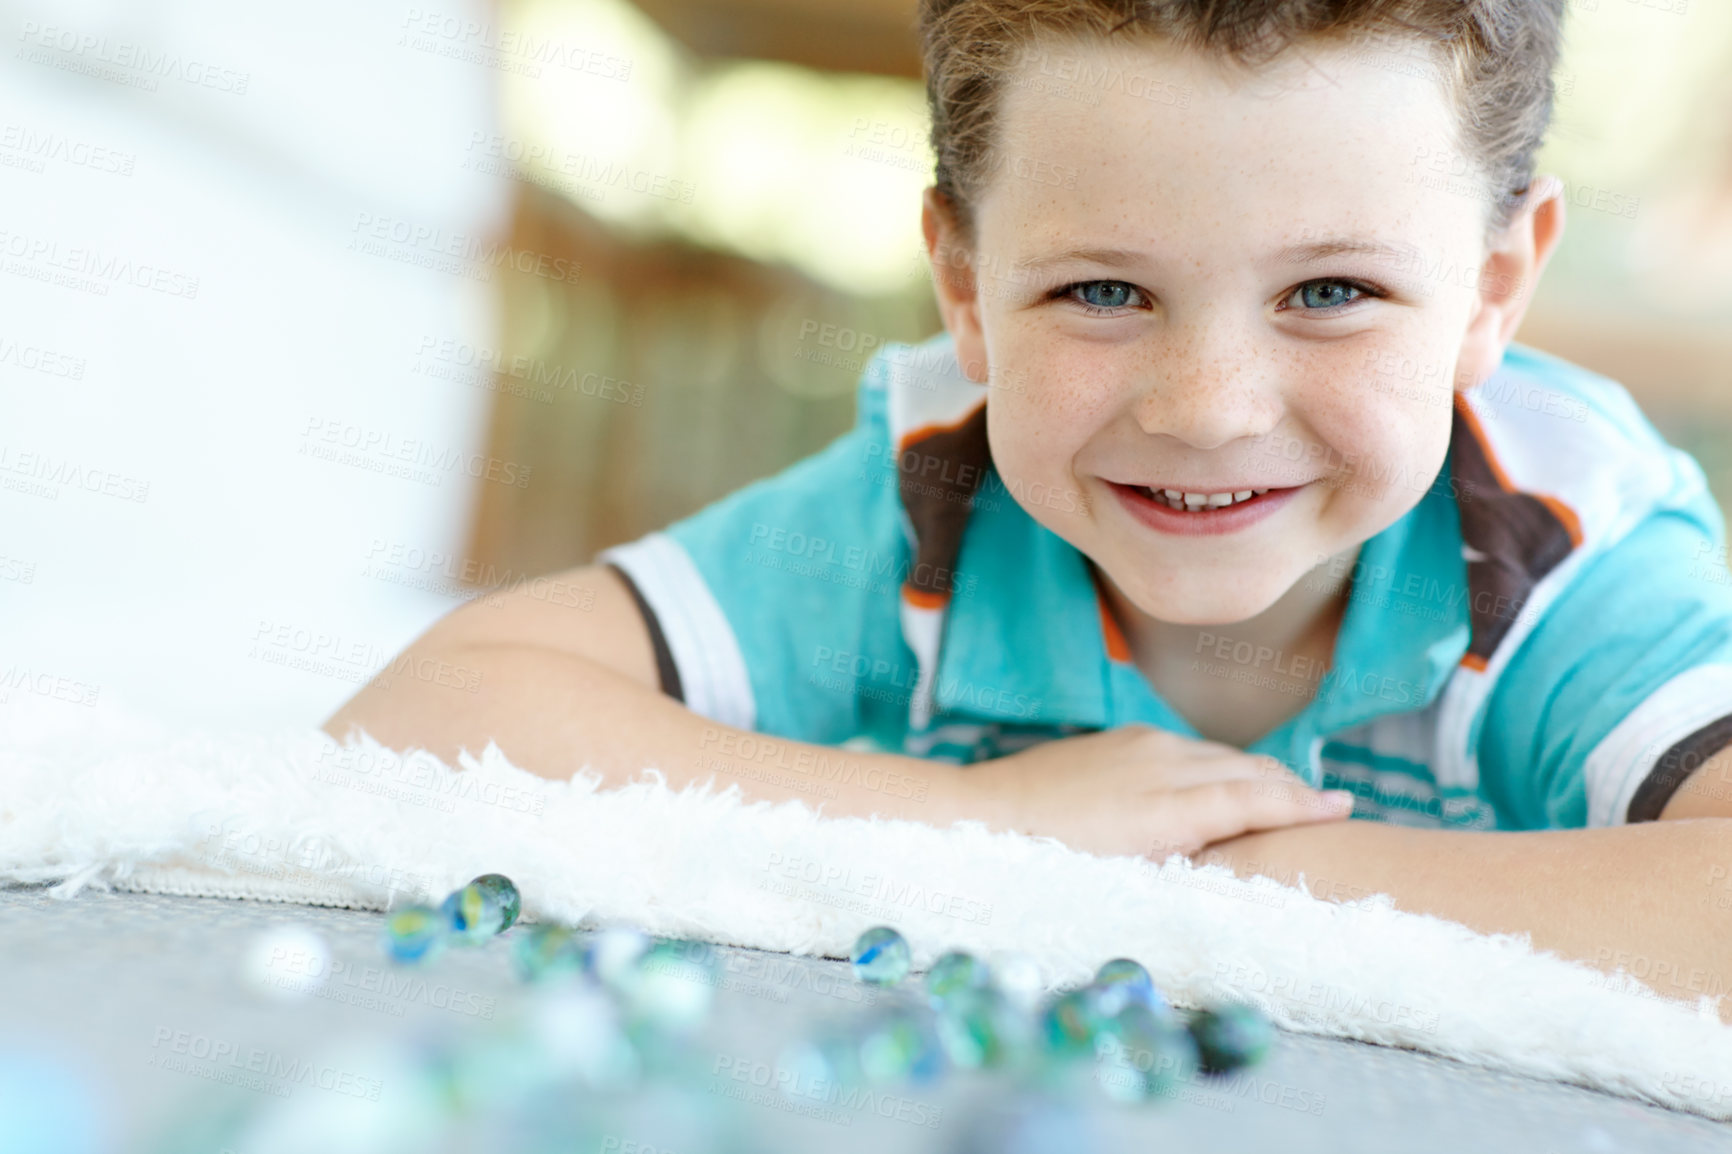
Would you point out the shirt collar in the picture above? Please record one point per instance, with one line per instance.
(1022, 641)
(1406, 626)
(1026, 643)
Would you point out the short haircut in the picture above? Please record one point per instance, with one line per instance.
(1494, 57)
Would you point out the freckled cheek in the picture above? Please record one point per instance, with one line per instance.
(1037, 433)
(1365, 416)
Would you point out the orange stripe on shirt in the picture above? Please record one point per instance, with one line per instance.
(924, 599)
(1117, 648)
(1572, 523)
(925, 431)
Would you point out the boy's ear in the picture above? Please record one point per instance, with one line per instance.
(1507, 281)
(954, 279)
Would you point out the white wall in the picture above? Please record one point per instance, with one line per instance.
(251, 139)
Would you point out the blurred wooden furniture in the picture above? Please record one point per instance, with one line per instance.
(656, 380)
(833, 35)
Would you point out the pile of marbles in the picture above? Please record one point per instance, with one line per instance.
(987, 1018)
(611, 1040)
(969, 1015)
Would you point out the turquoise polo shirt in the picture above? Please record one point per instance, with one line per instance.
(1543, 641)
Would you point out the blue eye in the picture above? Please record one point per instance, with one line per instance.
(1327, 294)
(1104, 295)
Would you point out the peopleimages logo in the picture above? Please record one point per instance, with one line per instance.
(877, 888)
(35, 149)
(41, 474)
(462, 254)
(508, 49)
(124, 61)
(223, 1060)
(345, 443)
(89, 269)
(798, 1088)
(37, 359)
(533, 370)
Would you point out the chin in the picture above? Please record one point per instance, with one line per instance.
(1215, 615)
(1189, 603)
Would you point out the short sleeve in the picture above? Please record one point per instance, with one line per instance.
(759, 598)
(1623, 688)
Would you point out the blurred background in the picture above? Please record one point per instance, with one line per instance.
(318, 319)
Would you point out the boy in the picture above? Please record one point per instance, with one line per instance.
(1223, 485)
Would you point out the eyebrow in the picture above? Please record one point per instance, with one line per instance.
(1340, 246)
(1292, 254)
(1119, 256)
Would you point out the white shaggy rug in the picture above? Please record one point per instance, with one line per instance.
(104, 797)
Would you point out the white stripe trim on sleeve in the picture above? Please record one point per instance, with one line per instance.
(713, 674)
(1624, 758)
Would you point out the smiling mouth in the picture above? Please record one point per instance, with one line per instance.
(1186, 501)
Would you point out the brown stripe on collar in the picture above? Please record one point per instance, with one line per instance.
(1521, 536)
(940, 467)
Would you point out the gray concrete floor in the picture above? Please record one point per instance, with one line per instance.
(95, 984)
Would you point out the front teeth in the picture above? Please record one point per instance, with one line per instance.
(1192, 502)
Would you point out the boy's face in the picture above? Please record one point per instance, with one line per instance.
(1212, 283)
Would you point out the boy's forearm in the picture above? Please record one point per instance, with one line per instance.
(1653, 898)
(553, 713)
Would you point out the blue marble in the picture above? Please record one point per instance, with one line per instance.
(614, 951)
(1070, 1024)
(980, 1028)
(881, 957)
(473, 914)
(954, 972)
(546, 951)
(1231, 1036)
(1143, 1054)
(1122, 982)
(504, 891)
(673, 984)
(899, 1045)
(415, 933)
(826, 1056)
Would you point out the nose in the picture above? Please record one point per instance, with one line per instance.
(1209, 385)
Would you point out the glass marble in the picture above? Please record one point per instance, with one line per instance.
(1143, 1053)
(1231, 1036)
(980, 1028)
(576, 1028)
(473, 914)
(824, 1057)
(546, 951)
(954, 972)
(614, 951)
(1071, 1024)
(1120, 983)
(899, 1045)
(415, 933)
(881, 957)
(673, 984)
(504, 891)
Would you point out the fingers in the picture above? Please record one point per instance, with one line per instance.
(1225, 809)
(1240, 767)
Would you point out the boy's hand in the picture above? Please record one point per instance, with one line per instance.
(1142, 790)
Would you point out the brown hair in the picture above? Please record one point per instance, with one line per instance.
(1495, 58)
